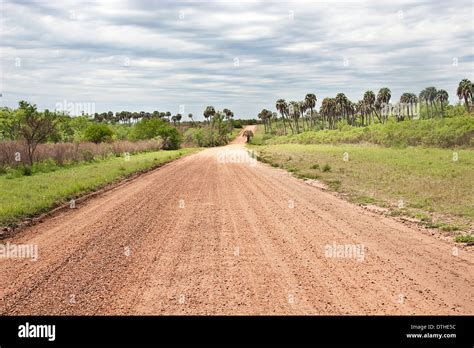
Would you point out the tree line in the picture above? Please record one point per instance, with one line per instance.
(297, 116)
(30, 127)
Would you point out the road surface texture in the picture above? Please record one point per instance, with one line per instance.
(217, 233)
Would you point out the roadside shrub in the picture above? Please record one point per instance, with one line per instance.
(203, 137)
(26, 170)
(326, 168)
(196, 137)
(170, 137)
(157, 129)
(98, 133)
(48, 165)
(237, 123)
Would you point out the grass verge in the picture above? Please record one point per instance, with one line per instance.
(28, 196)
(435, 186)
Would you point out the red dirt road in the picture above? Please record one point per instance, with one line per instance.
(216, 233)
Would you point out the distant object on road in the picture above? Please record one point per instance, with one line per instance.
(249, 134)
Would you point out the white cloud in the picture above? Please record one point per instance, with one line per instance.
(243, 55)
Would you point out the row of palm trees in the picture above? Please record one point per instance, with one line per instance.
(210, 114)
(298, 116)
(292, 112)
(127, 117)
(219, 122)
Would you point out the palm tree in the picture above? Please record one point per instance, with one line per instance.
(423, 96)
(465, 91)
(359, 110)
(351, 110)
(328, 111)
(406, 100)
(294, 112)
(209, 113)
(190, 115)
(412, 100)
(228, 115)
(265, 115)
(369, 104)
(341, 104)
(383, 100)
(302, 107)
(404, 103)
(310, 100)
(282, 107)
(442, 97)
(431, 97)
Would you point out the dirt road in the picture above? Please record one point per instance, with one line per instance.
(217, 233)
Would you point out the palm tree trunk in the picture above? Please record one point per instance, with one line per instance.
(436, 109)
(378, 117)
(284, 123)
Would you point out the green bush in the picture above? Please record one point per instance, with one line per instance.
(156, 128)
(98, 133)
(121, 131)
(203, 137)
(197, 137)
(25, 170)
(237, 123)
(48, 165)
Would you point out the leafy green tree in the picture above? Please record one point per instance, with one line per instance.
(98, 133)
(8, 124)
(155, 127)
(465, 91)
(34, 127)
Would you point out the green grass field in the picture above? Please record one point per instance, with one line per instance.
(432, 185)
(27, 196)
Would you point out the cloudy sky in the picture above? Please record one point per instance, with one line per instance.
(244, 55)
